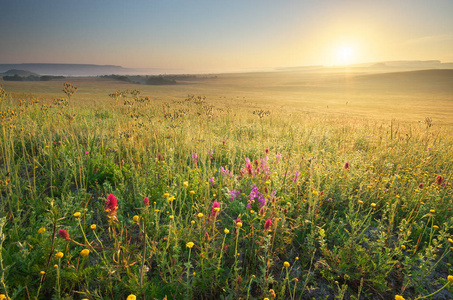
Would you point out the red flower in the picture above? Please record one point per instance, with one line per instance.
(146, 201)
(439, 180)
(64, 234)
(111, 206)
(346, 166)
(215, 209)
(238, 220)
(160, 157)
(267, 224)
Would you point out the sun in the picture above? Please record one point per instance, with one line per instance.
(344, 55)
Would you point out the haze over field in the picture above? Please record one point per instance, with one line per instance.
(211, 36)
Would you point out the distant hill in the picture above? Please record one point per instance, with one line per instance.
(440, 80)
(21, 73)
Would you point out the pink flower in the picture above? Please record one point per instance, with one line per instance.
(64, 234)
(160, 157)
(439, 180)
(146, 201)
(111, 204)
(87, 152)
(215, 209)
(238, 220)
(346, 166)
(267, 224)
(420, 186)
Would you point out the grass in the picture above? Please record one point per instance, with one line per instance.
(220, 197)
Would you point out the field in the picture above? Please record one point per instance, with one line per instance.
(279, 185)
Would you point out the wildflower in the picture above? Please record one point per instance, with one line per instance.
(450, 240)
(131, 297)
(403, 247)
(252, 211)
(238, 222)
(190, 245)
(266, 298)
(77, 215)
(286, 264)
(171, 217)
(42, 272)
(84, 252)
(439, 180)
(346, 166)
(373, 205)
(87, 152)
(59, 255)
(146, 201)
(156, 210)
(160, 157)
(185, 183)
(111, 206)
(267, 224)
(166, 195)
(226, 231)
(420, 186)
(200, 215)
(195, 156)
(272, 292)
(170, 199)
(135, 218)
(297, 257)
(398, 297)
(41, 230)
(432, 211)
(55, 266)
(450, 278)
(2, 297)
(435, 227)
(64, 234)
(192, 192)
(215, 209)
(93, 226)
(192, 222)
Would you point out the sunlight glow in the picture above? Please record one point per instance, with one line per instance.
(344, 55)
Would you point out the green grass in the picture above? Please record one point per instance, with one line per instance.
(370, 231)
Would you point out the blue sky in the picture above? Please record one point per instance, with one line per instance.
(224, 35)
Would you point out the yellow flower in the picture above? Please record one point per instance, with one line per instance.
(40, 230)
(373, 204)
(156, 210)
(436, 227)
(200, 215)
(59, 255)
(55, 266)
(135, 218)
(432, 211)
(185, 183)
(192, 222)
(2, 297)
(360, 202)
(170, 199)
(403, 247)
(217, 209)
(286, 264)
(166, 195)
(398, 297)
(252, 211)
(42, 272)
(297, 257)
(226, 231)
(192, 192)
(189, 245)
(84, 252)
(239, 224)
(77, 215)
(266, 298)
(450, 278)
(450, 240)
(93, 226)
(171, 217)
(131, 297)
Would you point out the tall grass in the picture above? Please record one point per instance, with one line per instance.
(219, 202)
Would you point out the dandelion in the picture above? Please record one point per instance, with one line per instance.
(432, 211)
(64, 234)
(146, 201)
(192, 192)
(190, 245)
(166, 195)
(84, 252)
(171, 217)
(200, 215)
(450, 278)
(59, 255)
(131, 297)
(93, 226)
(398, 297)
(171, 199)
(77, 215)
(135, 218)
(286, 264)
(192, 222)
(41, 230)
(185, 183)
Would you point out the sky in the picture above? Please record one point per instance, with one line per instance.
(217, 36)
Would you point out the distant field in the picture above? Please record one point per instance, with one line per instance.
(404, 97)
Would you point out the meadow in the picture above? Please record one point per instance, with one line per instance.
(278, 185)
